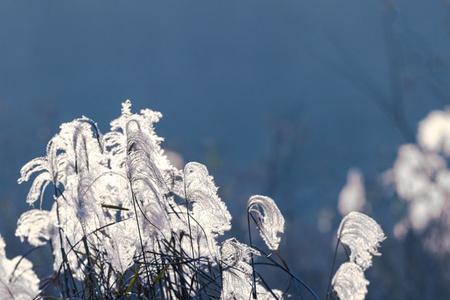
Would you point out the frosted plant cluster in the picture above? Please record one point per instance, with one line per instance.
(362, 235)
(422, 179)
(125, 219)
(126, 222)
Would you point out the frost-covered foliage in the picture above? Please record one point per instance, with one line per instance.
(363, 236)
(352, 196)
(422, 179)
(125, 222)
(17, 278)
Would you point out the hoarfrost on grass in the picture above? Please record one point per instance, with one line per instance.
(118, 195)
(349, 282)
(268, 218)
(207, 208)
(121, 207)
(362, 235)
(237, 272)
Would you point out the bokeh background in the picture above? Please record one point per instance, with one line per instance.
(277, 97)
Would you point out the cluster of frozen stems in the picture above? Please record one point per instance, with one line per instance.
(124, 222)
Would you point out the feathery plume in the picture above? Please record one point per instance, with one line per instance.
(363, 236)
(349, 282)
(269, 220)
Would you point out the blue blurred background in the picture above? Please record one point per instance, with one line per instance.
(276, 97)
